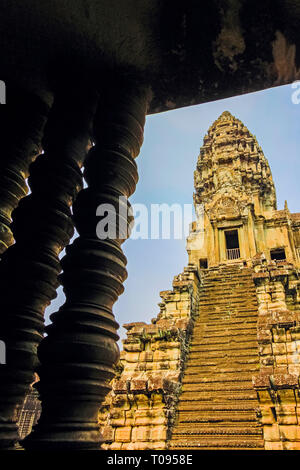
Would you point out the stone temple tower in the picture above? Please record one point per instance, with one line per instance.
(218, 367)
(235, 196)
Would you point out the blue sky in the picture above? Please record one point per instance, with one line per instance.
(166, 166)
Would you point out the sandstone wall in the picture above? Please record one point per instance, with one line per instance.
(139, 412)
(277, 385)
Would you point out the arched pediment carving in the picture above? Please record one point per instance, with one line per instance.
(225, 207)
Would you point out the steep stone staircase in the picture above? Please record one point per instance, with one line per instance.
(217, 406)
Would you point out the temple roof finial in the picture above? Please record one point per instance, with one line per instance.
(231, 160)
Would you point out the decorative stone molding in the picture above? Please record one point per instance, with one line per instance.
(139, 412)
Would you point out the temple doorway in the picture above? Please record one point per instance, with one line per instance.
(232, 244)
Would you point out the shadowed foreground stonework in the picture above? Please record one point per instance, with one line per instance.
(219, 366)
(89, 71)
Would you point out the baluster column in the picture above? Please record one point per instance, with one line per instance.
(22, 122)
(78, 355)
(42, 227)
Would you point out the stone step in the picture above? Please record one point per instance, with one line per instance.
(216, 443)
(217, 369)
(200, 429)
(216, 318)
(214, 362)
(233, 323)
(216, 407)
(232, 300)
(222, 353)
(219, 395)
(228, 386)
(217, 293)
(220, 344)
(228, 283)
(225, 417)
(216, 378)
(230, 335)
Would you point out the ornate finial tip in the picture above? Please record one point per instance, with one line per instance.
(226, 114)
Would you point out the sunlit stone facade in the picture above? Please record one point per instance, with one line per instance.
(218, 368)
(235, 196)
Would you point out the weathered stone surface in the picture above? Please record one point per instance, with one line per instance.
(239, 302)
(152, 363)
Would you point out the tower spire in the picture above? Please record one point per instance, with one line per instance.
(231, 160)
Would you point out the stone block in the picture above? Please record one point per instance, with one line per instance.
(158, 445)
(291, 445)
(279, 335)
(293, 358)
(129, 326)
(108, 433)
(264, 336)
(170, 344)
(171, 307)
(159, 355)
(130, 414)
(279, 348)
(156, 382)
(146, 356)
(123, 434)
(182, 323)
(121, 401)
(138, 446)
(265, 350)
(158, 433)
(290, 433)
(150, 417)
(141, 433)
(267, 416)
(258, 276)
(286, 415)
(143, 417)
(117, 414)
(184, 305)
(116, 422)
(138, 385)
(271, 433)
(273, 445)
(294, 369)
(261, 382)
(292, 347)
(176, 297)
(115, 446)
(133, 347)
(120, 386)
(280, 360)
(295, 333)
(132, 356)
(161, 366)
(157, 401)
(281, 381)
(164, 324)
(142, 401)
